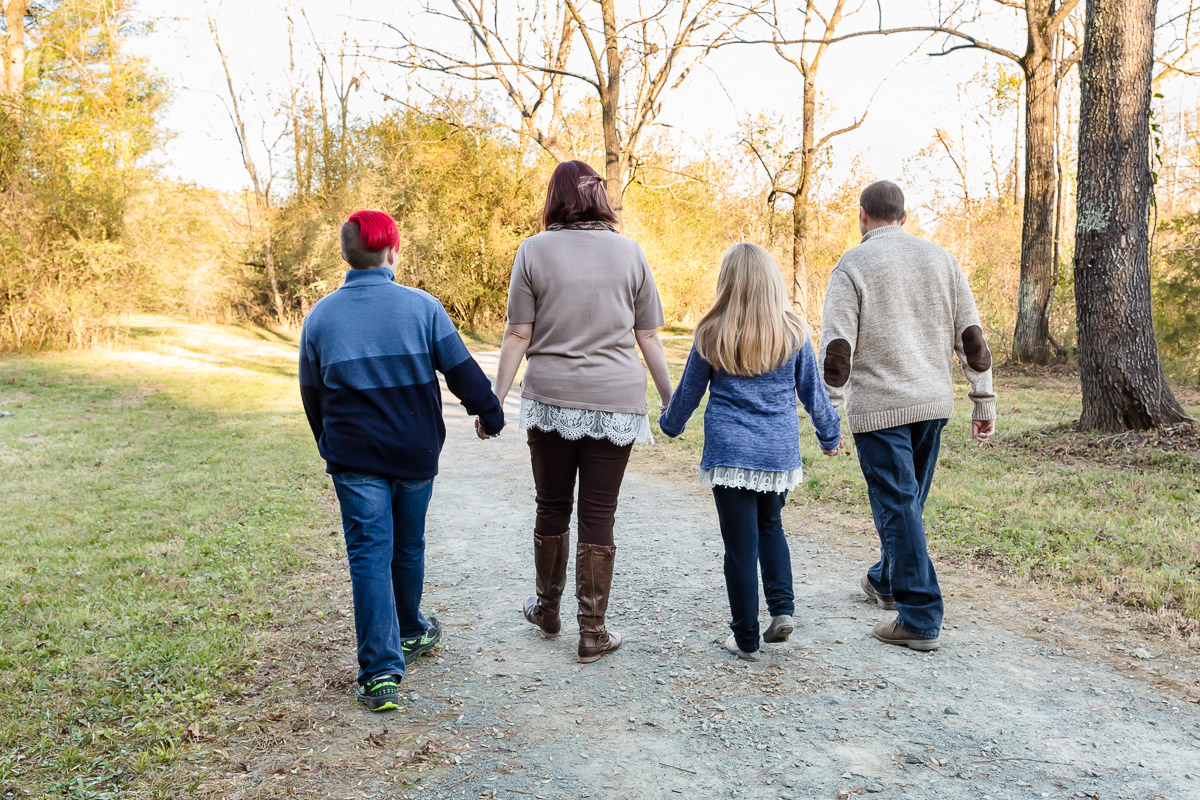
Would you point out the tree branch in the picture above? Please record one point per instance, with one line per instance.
(971, 40)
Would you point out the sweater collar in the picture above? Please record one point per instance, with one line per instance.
(883, 230)
(369, 277)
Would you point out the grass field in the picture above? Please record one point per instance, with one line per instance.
(157, 499)
(1103, 516)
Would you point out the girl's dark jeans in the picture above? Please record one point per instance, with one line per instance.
(752, 530)
(600, 465)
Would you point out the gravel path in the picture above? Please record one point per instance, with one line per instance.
(503, 712)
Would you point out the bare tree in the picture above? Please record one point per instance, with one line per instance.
(1044, 22)
(537, 52)
(1181, 34)
(261, 184)
(335, 139)
(794, 174)
(1122, 379)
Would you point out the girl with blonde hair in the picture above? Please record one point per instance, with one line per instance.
(753, 356)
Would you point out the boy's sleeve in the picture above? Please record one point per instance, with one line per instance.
(464, 378)
(647, 307)
(811, 391)
(311, 388)
(973, 353)
(839, 334)
(692, 385)
(522, 304)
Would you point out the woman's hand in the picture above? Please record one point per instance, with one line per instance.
(836, 451)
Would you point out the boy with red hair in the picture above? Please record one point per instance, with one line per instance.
(368, 356)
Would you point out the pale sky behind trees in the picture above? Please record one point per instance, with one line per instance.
(922, 93)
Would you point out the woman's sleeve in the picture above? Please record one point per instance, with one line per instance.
(811, 391)
(522, 305)
(688, 394)
(647, 308)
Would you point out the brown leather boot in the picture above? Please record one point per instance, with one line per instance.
(593, 580)
(550, 562)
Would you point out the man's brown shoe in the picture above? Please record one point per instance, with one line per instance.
(883, 601)
(894, 633)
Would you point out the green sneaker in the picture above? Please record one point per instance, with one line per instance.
(381, 693)
(419, 645)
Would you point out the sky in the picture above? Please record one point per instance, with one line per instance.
(919, 93)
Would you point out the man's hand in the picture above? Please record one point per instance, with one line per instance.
(982, 430)
(836, 451)
(479, 431)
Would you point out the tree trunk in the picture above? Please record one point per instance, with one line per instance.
(272, 278)
(800, 254)
(14, 48)
(610, 102)
(1031, 339)
(1122, 379)
(801, 197)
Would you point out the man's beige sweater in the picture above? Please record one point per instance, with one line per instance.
(898, 307)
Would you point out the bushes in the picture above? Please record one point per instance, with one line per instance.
(1177, 297)
(71, 149)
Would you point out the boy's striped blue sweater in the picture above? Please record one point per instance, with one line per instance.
(751, 422)
(368, 353)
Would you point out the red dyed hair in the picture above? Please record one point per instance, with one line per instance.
(365, 236)
(376, 230)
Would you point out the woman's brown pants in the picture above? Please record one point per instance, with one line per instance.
(600, 465)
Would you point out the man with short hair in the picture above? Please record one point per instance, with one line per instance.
(368, 356)
(897, 308)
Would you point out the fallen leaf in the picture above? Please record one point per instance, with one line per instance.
(1141, 652)
(27, 598)
(193, 730)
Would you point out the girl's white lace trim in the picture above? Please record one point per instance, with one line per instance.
(576, 423)
(756, 480)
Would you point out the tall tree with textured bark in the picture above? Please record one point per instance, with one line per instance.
(1123, 384)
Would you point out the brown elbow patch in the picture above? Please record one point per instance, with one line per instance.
(837, 363)
(979, 357)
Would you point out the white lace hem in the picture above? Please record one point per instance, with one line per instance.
(756, 480)
(576, 423)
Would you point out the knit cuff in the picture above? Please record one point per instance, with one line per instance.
(984, 410)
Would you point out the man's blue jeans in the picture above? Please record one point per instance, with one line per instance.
(752, 529)
(384, 523)
(898, 465)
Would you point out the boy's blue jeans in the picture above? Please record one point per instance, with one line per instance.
(384, 523)
(898, 465)
(752, 530)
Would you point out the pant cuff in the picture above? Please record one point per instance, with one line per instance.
(928, 633)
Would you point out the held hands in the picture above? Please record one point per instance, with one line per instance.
(982, 430)
(836, 451)
(480, 433)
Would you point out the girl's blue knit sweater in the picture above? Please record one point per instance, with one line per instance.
(751, 422)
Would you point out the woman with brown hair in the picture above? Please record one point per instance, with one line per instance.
(580, 298)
